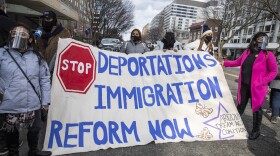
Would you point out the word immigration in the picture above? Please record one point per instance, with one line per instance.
(158, 95)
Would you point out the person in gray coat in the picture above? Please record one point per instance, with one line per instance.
(20, 102)
(275, 94)
(135, 45)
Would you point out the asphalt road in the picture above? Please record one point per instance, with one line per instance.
(268, 144)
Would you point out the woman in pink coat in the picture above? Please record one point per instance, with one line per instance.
(258, 68)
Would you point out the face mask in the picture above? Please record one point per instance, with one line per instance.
(47, 26)
(208, 38)
(19, 39)
(262, 45)
(135, 38)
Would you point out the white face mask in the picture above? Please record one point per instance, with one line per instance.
(19, 38)
(262, 43)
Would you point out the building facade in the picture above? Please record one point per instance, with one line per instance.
(181, 14)
(71, 13)
(270, 25)
(196, 30)
(145, 32)
(157, 20)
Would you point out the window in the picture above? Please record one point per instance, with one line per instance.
(233, 31)
(245, 31)
(235, 41)
(273, 26)
(267, 28)
(278, 39)
(250, 31)
(261, 28)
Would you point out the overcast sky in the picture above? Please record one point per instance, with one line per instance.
(145, 11)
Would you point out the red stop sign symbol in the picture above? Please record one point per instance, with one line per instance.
(76, 68)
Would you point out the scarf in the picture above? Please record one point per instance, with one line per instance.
(18, 120)
(48, 35)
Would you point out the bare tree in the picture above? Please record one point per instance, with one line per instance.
(115, 16)
(155, 34)
(232, 17)
(271, 6)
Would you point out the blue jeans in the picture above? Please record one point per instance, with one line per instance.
(275, 101)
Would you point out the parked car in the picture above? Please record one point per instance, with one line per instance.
(111, 44)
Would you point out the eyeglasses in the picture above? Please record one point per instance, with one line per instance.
(47, 19)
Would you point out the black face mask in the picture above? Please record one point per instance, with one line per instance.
(208, 39)
(135, 38)
(47, 26)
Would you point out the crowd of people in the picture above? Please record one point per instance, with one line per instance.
(24, 62)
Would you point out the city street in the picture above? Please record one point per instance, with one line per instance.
(109, 73)
(267, 144)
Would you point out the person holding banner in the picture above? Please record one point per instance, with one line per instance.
(275, 95)
(169, 43)
(258, 68)
(48, 40)
(135, 45)
(204, 43)
(24, 90)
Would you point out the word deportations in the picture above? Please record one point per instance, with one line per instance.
(154, 64)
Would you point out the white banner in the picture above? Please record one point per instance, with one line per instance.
(103, 99)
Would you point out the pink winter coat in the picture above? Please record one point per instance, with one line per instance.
(264, 70)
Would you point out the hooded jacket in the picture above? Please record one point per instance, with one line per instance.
(264, 71)
(19, 96)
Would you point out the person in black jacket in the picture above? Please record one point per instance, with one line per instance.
(5, 25)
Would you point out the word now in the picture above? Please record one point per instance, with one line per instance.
(160, 129)
(76, 66)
